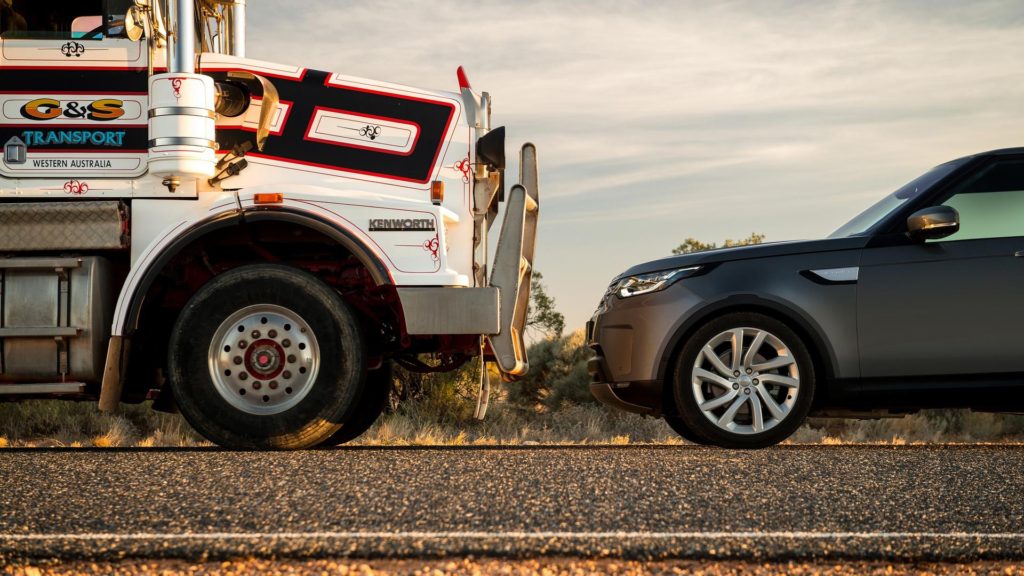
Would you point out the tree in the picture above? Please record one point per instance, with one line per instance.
(693, 245)
(541, 315)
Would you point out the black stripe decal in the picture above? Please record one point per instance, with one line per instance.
(433, 119)
(69, 80)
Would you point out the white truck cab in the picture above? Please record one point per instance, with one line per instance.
(254, 243)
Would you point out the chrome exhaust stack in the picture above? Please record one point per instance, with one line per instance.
(236, 20)
(182, 107)
(181, 37)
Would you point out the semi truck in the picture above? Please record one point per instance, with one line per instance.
(253, 244)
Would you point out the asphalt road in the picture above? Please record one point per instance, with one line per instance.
(884, 503)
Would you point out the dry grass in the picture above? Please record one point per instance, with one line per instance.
(69, 424)
(51, 423)
(506, 424)
(928, 426)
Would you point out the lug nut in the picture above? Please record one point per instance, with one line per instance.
(243, 376)
(749, 370)
(286, 375)
(736, 373)
(273, 384)
(735, 386)
(237, 360)
(756, 382)
(242, 344)
(255, 334)
(257, 385)
(746, 390)
(286, 343)
(291, 358)
(272, 334)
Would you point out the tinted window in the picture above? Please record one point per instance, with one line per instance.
(990, 202)
(869, 218)
(57, 19)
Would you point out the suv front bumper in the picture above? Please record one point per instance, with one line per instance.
(630, 338)
(638, 397)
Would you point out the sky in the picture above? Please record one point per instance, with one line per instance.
(658, 121)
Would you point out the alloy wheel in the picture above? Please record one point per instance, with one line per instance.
(264, 359)
(745, 380)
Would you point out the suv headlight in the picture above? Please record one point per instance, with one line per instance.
(653, 281)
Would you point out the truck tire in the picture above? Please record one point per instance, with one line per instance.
(744, 380)
(266, 356)
(371, 405)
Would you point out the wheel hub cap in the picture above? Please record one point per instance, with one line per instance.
(264, 359)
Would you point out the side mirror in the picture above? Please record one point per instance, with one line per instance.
(933, 223)
(133, 23)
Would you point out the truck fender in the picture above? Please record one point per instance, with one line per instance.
(152, 262)
(156, 257)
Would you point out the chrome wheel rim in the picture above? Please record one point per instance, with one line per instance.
(745, 380)
(264, 359)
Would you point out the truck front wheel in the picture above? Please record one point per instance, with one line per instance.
(267, 357)
(376, 393)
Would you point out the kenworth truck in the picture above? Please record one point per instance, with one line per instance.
(253, 244)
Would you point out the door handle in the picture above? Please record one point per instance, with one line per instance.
(1018, 254)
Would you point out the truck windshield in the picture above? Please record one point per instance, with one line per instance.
(867, 219)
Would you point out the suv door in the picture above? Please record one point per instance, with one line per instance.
(951, 306)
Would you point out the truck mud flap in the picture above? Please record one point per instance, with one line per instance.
(513, 266)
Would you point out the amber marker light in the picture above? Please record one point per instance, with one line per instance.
(437, 192)
(268, 198)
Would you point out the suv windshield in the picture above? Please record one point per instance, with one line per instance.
(867, 219)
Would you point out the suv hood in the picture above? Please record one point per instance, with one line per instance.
(766, 250)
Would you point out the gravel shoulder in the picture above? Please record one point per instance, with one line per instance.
(538, 567)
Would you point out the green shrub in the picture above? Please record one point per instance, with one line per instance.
(558, 375)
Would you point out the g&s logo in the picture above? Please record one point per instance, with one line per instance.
(49, 108)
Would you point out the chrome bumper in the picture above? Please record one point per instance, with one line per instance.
(497, 311)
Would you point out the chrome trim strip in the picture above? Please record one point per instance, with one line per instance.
(848, 274)
(181, 141)
(39, 263)
(44, 388)
(182, 111)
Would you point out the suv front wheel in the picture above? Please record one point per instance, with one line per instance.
(744, 380)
